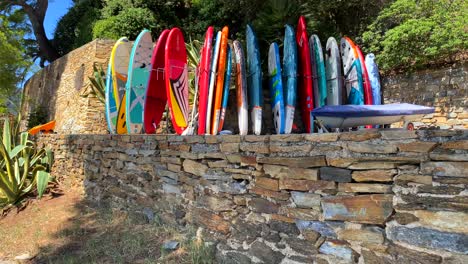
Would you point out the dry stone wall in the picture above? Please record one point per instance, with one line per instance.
(445, 88)
(359, 197)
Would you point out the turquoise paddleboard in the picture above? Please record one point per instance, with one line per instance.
(276, 88)
(227, 84)
(289, 77)
(137, 82)
(254, 79)
(110, 104)
(318, 72)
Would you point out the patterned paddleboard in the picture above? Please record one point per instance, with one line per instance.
(352, 72)
(333, 72)
(156, 99)
(227, 84)
(137, 83)
(254, 77)
(121, 118)
(374, 78)
(110, 103)
(204, 70)
(220, 81)
(211, 91)
(177, 79)
(365, 78)
(305, 87)
(318, 72)
(276, 88)
(120, 67)
(241, 89)
(289, 77)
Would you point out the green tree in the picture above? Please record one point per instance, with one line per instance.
(413, 33)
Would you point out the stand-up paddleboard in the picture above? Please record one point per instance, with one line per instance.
(305, 87)
(352, 72)
(177, 79)
(211, 91)
(374, 78)
(110, 103)
(318, 71)
(365, 77)
(121, 56)
(289, 77)
(254, 77)
(156, 99)
(121, 125)
(276, 88)
(220, 81)
(204, 81)
(138, 74)
(241, 89)
(333, 72)
(227, 84)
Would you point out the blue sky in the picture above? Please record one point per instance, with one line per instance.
(57, 8)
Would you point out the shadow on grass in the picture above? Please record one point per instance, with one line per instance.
(97, 235)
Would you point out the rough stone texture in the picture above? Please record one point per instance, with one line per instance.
(443, 88)
(296, 208)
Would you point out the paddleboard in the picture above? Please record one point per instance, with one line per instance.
(276, 88)
(138, 74)
(352, 72)
(254, 78)
(110, 103)
(289, 77)
(177, 79)
(156, 99)
(365, 78)
(121, 56)
(211, 91)
(318, 72)
(333, 73)
(220, 81)
(374, 78)
(305, 87)
(204, 83)
(227, 85)
(241, 89)
(121, 118)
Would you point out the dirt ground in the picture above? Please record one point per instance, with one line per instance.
(66, 229)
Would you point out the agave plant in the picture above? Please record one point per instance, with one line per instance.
(97, 84)
(193, 53)
(23, 167)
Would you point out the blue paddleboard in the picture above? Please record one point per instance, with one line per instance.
(374, 78)
(276, 88)
(110, 104)
(289, 77)
(318, 71)
(254, 80)
(227, 84)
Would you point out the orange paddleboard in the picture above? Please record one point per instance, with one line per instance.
(220, 81)
(45, 128)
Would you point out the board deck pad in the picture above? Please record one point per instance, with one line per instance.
(289, 77)
(318, 72)
(177, 79)
(352, 72)
(305, 87)
(211, 91)
(204, 83)
(333, 73)
(137, 83)
(374, 77)
(276, 88)
(254, 78)
(241, 89)
(227, 85)
(220, 81)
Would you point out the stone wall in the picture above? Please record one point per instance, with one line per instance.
(444, 88)
(359, 197)
(59, 86)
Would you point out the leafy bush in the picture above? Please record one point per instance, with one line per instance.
(24, 168)
(413, 33)
(37, 117)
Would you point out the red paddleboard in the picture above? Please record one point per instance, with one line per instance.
(305, 89)
(177, 79)
(203, 85)
(156, 99)
(365, 78)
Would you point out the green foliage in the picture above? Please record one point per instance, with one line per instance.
(24, 168)
(75, 28)
(193, 54)
(97, 85)
(37, 117)
(413, 33)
